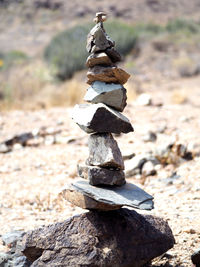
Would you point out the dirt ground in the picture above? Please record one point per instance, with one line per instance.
(33, 176)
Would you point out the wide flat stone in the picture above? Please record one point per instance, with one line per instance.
(98, 59)
(107, 74)
(101, 176)
(100, 118)
(125, 195)
(104, 151)
(79, 199)
(120, 238)
(111, 94)
(98, 40)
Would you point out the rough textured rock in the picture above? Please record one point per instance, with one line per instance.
(100, 118)
(107, 74)
(83, 201)
(119, 238)
(125, 195)
(196, 258)
(111, 94)
(10, 239)
(98, 59)
(98, 40)
(101, 176)
(104, 151)
(113, 54)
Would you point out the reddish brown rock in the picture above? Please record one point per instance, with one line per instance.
(107, 74)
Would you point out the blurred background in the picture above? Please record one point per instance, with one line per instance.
(42, 48)
(42, 73)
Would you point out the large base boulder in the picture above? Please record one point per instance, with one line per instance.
(121, 238)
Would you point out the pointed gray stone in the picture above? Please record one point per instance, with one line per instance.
(98, 40)
(98, 59)
(99, 118)
(101, 176)
(125, 195)
(111, 94)
(104, 151)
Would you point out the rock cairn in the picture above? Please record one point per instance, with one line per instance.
(104, 187)
(107, 235)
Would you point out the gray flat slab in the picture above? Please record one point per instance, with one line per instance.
(125, 195)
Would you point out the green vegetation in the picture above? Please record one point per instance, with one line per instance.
(184, 26)
(66, 53)
(11, 58)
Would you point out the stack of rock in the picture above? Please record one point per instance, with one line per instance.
(107, 235)
(104, 186)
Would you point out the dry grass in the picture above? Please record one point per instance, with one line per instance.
(179, 96)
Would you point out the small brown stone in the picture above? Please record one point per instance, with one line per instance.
(79, 199)
(107, 74)
(98, 59)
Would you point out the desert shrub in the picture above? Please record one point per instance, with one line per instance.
(66, 53)
(11, 58)
(185, 26)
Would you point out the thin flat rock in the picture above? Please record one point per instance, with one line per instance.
(107, 74)
(111, 94)
(100, 118)
(79, 199)
(98, 59)
(125, 195)
(101, 176)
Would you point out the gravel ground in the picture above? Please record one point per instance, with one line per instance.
(31, 177)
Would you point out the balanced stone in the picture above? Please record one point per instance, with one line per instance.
(98, 59)
(113, 55)
(107, 74)
(125, 195)
(111, 94)
(98, 40)
(101, 176)
(100, 118)
(104, 151)
(83, 201)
